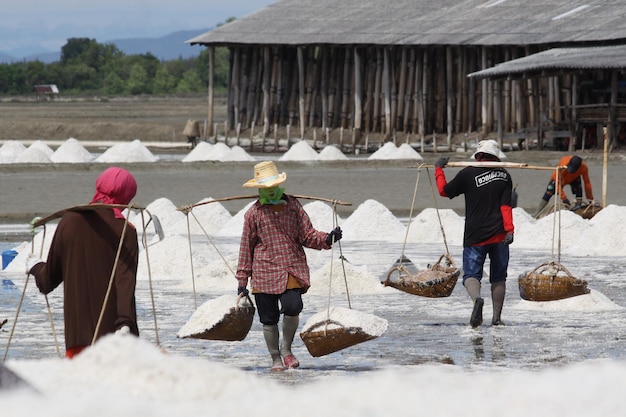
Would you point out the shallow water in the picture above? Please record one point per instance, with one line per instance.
(421, 330)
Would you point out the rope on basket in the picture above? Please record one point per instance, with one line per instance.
(332, 257)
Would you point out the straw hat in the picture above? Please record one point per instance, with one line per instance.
(490, 147)
(265, 176)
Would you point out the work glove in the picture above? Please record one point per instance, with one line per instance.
(442, 162)
(508, 239)
(32, 225)
(123, 330)
(566, 202)
(242, 290)
(31, 261)
(334, 236)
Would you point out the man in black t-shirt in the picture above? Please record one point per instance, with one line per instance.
(488, 225)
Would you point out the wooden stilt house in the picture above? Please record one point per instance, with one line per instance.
(397, 70)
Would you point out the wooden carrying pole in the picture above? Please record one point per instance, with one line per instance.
(493, 164)
(244, 197)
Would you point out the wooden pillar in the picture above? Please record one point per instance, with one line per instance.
(573, 129)
(301, 83)
(408, 94)
(449, 96)
(497, 95)
(267, 71)
(401, 90)
(324, 89)
(235, 84)
(387, 88)
(612, 107)
(377, 89)
(484, 95)
(358, 93)
(211, 91)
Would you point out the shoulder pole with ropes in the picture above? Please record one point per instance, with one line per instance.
(188, 209)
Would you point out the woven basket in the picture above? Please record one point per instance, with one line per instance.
(437, 281)
(549, 282)
(588, 211)
(321, 341)
(234, 326)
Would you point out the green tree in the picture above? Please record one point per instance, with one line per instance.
(138, 81)
(190, 83)
(163, 82)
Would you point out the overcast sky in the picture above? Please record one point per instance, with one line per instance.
(49, 23)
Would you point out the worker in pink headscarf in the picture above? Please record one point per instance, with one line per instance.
(82, 257)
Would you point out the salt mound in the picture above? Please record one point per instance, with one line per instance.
(359, 280)
(331, 153)
(234, 227)
(33, 155)
(212, 217)
(237, 153)
(219, 151)
(406, 151)
(134, 151)
(596, 241)
(372, 221)
(200, 153)
(347, 318)
(71, 151)
(426, 227)
(165, 210)
(300, 151)
(10, 150)
(321, 215)
(42, 146)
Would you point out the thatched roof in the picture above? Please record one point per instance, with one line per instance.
(559, 59)
(425, 22)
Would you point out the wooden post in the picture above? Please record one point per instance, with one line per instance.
(387, 87)
(498, 103)
(301, 83)
(398, 122)
(605, 166)
(358, 93)
(573, 123)
(267, 69)
(377, 89)
(211, 91)
(484, 93)
(449, 96)
(235, 84)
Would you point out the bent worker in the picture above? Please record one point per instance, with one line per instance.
(576, 170)
(488, 225)
(83, 256)
(276, 230)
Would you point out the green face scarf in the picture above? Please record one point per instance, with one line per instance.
(271, 195)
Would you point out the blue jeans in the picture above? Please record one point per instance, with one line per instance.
(474, 260)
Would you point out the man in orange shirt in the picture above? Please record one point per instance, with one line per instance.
(576, 169)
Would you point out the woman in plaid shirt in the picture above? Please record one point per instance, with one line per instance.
(276, 230)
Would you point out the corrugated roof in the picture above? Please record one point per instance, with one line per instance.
(557, 59)
(425, 22)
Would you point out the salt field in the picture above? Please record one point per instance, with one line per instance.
(553, 358)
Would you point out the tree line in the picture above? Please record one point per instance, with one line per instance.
(89, 67)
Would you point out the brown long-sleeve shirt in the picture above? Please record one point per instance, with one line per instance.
(82, 256)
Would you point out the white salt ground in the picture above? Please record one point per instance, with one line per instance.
(10, 150)
(31, 155)
(347, 318)
(127, 376)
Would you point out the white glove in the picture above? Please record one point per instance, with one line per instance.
(31, 261)
(123, 330)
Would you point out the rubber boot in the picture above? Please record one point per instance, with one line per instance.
(498, 291)
(542, 204)
(472, 286)
(290, 326)
(271, 335)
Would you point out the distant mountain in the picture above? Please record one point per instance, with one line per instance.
(165, 48)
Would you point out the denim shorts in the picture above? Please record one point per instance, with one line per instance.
(474, 260)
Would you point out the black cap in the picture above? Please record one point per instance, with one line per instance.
(574, 164)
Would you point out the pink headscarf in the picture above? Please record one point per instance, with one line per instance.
(115, 186)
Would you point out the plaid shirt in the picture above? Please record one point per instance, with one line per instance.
(272, 246)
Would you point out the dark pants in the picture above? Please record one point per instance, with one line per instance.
(474, 258)
(577, 189)
(267, 305)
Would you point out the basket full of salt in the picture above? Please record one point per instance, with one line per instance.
(339, 328)
(220, 319)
